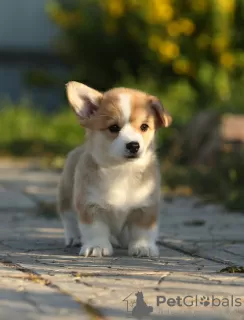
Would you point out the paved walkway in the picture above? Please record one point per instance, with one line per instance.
(40, 279)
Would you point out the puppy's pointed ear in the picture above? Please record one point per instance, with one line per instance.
(85, 101)
(164, 119)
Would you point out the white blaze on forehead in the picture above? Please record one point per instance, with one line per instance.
(125, 106)
(128, 133)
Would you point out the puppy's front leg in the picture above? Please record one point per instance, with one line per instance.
(143, 232)
(95, 234)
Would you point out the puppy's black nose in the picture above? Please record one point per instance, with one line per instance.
(133, 147)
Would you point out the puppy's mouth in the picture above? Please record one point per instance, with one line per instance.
(132, 156)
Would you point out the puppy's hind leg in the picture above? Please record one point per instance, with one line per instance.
(72, 237)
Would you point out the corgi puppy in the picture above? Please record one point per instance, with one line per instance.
(109, 193)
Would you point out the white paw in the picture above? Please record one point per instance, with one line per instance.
(143, 249)
(72, 241)
(96, 249)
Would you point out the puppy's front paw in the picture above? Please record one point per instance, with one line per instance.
(143, 249)
(97, 249)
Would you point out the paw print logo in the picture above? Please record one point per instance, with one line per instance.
(204, 301)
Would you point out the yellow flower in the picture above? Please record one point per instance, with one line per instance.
(182, 66)
(219, 44)
(159, 11)
(186, 26)
(169, 50)
(173, 29)
(227, 60)
(164, 13)
(226, 5)
(116, 8)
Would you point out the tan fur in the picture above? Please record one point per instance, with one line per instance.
(144, 217)
(102, 190)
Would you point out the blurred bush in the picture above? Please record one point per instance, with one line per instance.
(222, 182)
(26, 131)
(189, 52)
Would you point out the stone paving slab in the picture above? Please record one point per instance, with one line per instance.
(39, 185)
(24, 297)
(10, 200)
(40, 279)
(207, 231)
(104, 283)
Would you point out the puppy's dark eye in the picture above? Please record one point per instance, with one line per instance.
(114, 128)
(144, 127)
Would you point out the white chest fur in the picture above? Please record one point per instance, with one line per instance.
(122, 188)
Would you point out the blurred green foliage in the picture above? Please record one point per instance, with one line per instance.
(222, 182)
(191, 53)
(26, 131)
